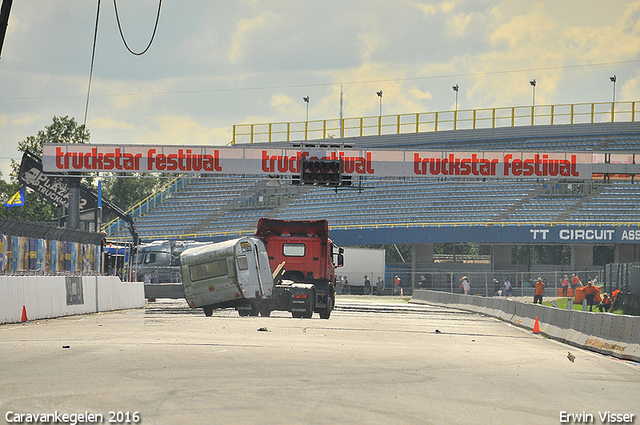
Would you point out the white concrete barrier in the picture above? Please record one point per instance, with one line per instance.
(606, 333)
(54, 296)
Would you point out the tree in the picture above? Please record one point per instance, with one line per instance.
(62, 130)
(126, 192)
(36, 208)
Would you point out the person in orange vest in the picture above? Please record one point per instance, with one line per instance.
(590, 294)
(616, 298)
(605, 304)
(575, 280)
(537, 297)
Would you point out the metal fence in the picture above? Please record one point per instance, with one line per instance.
(482, 282)
(625, 276)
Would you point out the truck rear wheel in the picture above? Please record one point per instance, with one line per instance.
(208, 310)
(326, 312)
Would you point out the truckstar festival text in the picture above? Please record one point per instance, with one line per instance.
(147, 159)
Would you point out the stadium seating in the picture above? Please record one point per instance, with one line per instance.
(217, 204)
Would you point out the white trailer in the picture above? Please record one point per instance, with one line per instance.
(232, 273)
(359, 262)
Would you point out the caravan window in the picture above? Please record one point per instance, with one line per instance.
(243, 264)
(208, 270)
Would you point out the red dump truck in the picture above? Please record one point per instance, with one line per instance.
(300, 255)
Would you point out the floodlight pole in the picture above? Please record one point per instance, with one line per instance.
(306, 100)
(613, 80)
(455, 89)
(533, 104)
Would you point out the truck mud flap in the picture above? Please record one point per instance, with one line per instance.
(302, 302)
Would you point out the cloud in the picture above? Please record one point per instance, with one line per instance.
(182, 130)
(247, 28)
(616, 42)
(448, 6)
(427, 9)
(25, 120)
(108, 123)
(414, 92)
(524, 31)
(285, 105)
(459, 23)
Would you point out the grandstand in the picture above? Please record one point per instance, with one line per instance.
(216, 206)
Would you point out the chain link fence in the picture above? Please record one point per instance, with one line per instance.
(482, 282)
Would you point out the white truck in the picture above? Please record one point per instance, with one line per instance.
(360, 262)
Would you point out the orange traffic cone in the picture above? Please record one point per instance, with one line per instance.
(24, 314)
(536, 327)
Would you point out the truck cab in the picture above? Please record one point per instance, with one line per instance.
(309, 255)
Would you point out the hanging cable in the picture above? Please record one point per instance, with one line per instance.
(93, 55)
(115, 6)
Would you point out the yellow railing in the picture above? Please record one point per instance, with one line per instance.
(577, 113)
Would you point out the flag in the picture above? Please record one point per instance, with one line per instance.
(100, 201)
(100, 194)
(16, 200)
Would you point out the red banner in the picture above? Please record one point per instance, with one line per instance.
(379, 163)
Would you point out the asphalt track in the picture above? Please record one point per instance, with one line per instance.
(372, 362)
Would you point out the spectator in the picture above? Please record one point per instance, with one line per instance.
(616, 299)
(147, 278)
(574, 283)
(605, 304)
(397, 289)
(539, 293)
(465, 285)
(380, 286)
(496, 287)
(565, 286)
(345, 286)
(154, 277)
(590, 294)
(367, 285)
(422, 283)
(507, 288)
(340, 284)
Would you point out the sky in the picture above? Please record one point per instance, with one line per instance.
(213, 64)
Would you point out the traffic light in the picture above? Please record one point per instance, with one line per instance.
(320, 172)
